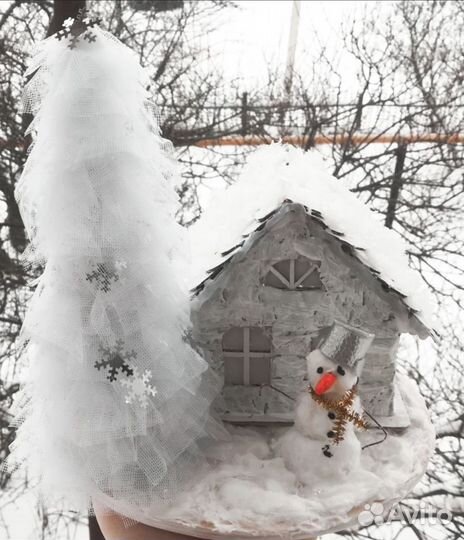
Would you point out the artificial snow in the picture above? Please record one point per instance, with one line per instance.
(278, 172)
(249, 491)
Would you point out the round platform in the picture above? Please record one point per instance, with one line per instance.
(250, 493)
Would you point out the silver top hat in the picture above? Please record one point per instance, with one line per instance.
(346, 344)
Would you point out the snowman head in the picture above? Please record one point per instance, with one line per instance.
(334, 367)
(327, 377)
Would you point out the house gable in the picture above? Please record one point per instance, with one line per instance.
(238, 294)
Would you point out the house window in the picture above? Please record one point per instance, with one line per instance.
(300, 274)
(247, 356)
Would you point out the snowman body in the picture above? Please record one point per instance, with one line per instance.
(308, 447)
(305, 457)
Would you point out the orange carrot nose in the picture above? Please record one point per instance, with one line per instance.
(325, 383)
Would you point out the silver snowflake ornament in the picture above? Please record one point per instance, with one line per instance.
(104, 275)
(115, 360)
(78, 29)
(120, 265)
(139, 387)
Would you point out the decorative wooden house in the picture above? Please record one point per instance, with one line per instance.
(280, 255)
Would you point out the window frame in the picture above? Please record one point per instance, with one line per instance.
(247, 356)
(291, 283)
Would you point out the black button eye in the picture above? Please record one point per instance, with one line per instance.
(340, 370)
(331, 415)
(320, 369)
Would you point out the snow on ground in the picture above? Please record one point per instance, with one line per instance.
(249, 491)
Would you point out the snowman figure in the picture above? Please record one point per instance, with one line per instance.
(323, 441)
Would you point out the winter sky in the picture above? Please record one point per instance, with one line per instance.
(256, 34)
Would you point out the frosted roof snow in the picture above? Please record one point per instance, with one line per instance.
(276, 173)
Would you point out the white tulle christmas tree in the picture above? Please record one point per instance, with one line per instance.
(116, 402)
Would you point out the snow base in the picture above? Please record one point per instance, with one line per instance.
(249, 492)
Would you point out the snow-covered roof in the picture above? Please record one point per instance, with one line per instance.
(276, 173)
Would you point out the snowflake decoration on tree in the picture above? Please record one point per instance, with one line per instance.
(103, 275)
(139, 387)
(75, 29)
(116, 361)
(120, 265)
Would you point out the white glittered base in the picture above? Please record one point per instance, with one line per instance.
(252, 494)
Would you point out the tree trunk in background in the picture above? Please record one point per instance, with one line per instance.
(62, 9)
(395, 189)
